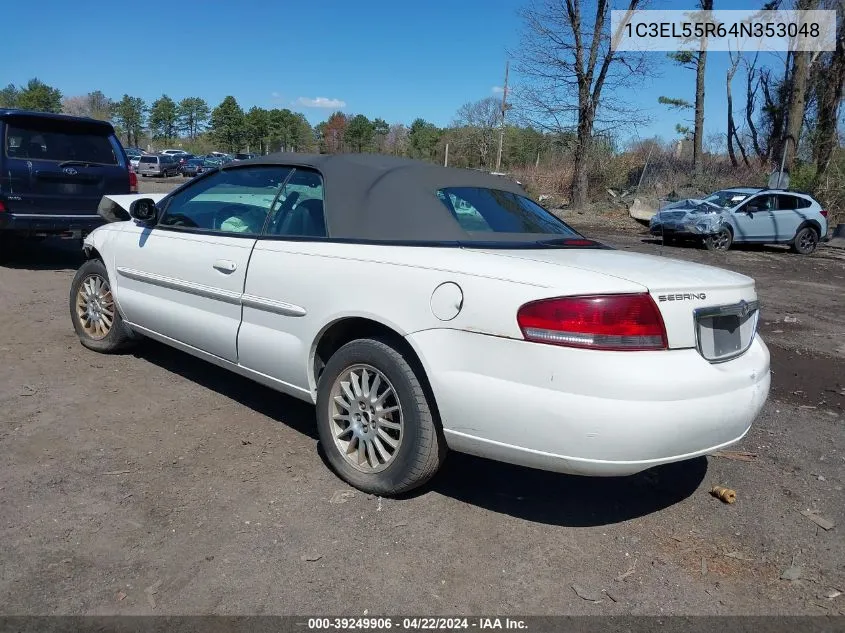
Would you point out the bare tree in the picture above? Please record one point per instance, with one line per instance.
(76, 106)
(797, 101)
(697, 61)
(478, 122)
(732, 133)
(396, 141)
(701, 64)
(94, 104)
(567, 61)
(752, 86)
(830, 94)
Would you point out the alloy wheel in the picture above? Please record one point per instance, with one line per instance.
(721, 240)
(366, 418)
(95, 306)
(807, 241)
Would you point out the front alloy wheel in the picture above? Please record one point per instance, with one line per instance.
(93, 311)
(720, 241)
(95, 306)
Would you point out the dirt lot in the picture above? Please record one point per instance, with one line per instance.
(154, 483)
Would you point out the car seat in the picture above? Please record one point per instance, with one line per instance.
(306, 219)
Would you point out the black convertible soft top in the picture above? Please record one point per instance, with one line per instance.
(386, 198)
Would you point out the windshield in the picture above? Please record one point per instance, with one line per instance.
(478, 209)
(726, 199)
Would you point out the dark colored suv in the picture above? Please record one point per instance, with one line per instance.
(54, 170)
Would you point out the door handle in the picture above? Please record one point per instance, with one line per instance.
(225, 266)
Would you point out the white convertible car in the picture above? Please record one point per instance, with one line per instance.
(423, 307)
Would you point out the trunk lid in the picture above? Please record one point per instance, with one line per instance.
(692, 298)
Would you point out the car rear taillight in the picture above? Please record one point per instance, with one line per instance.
(133, 181)
(608, 322)
(824, 213)
(2, 207)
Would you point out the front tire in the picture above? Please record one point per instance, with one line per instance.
(375, 421)
(806, 241)
(93, 311)
(720, 241)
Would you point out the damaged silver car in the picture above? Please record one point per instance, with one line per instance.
(745, 215)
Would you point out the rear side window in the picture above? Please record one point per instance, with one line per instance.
(803, 203)
(787, 203)
(299, 210)
(479, 209)
(59, 141)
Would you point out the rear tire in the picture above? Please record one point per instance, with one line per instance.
(806, 241)
(94, 312)
(375, 422)
(720, 241)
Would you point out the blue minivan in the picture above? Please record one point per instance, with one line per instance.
(54, 170)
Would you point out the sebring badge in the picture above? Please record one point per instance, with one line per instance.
(686, 296)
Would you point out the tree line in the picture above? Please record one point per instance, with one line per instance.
(192, 123)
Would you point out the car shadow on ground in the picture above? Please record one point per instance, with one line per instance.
(524, 493)
(566, 500)
(48, 254)
(287, 410)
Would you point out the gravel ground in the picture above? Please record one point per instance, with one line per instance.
(154, 483)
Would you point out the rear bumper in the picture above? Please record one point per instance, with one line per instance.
(586, 412)
(50, 222)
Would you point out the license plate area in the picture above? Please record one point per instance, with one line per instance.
(725, 332)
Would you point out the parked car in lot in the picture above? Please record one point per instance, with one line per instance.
(54, 170)
(423, 308)
(194, 167)
(243, 156)
(161, 165)
(745, 215)
(173, 152)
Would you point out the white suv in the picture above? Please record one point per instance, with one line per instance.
(743, 214)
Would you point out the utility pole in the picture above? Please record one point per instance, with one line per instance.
(446, 160)
(504, 109)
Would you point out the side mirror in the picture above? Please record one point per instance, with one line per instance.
(143, 210)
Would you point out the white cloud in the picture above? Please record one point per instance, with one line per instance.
(276, 97)
(320, 102)
(497, 90)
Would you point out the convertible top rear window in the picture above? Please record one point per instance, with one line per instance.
(479, 209)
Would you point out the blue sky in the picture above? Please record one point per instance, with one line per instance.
(394, 60)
